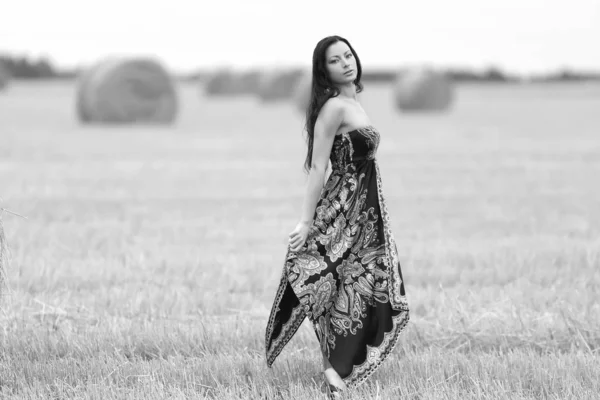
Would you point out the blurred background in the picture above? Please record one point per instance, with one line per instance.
(126, 109)
(156, 149)
(98, 99)
(496, 41)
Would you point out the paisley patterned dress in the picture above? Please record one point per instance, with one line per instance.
(346, 278)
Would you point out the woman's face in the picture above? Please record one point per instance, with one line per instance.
(340, 62)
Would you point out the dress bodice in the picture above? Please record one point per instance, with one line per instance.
(357, 145)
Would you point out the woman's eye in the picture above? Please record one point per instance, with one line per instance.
(349, 55)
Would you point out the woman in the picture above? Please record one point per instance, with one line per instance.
(341, 270)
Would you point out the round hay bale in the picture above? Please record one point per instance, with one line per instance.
(221, 83)
(4, 76)
(302, 90)
(248, 82)
(422, 90)
(127, 91)
(84, 98)
(278, 84)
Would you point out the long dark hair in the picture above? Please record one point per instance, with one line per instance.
(322, 89)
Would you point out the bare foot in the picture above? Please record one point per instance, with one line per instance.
(334, 378)
(331, 375)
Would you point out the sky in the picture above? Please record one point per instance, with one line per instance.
(522, 36)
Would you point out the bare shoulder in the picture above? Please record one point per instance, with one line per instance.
(334, 102)
(331, 114)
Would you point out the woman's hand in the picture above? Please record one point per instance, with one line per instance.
(298, 236)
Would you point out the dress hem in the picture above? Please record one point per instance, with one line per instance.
(376, 355)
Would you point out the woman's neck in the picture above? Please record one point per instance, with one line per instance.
(348, 90)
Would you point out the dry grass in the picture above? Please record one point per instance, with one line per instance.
(3, 260)
(4, 256)
(149, 259)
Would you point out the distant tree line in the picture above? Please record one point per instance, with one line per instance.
(493, 75)
(458, 75)
(567, 75)
(21, 67)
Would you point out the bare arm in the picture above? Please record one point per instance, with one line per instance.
(327, 124)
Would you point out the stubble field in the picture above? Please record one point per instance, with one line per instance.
(149, 259)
